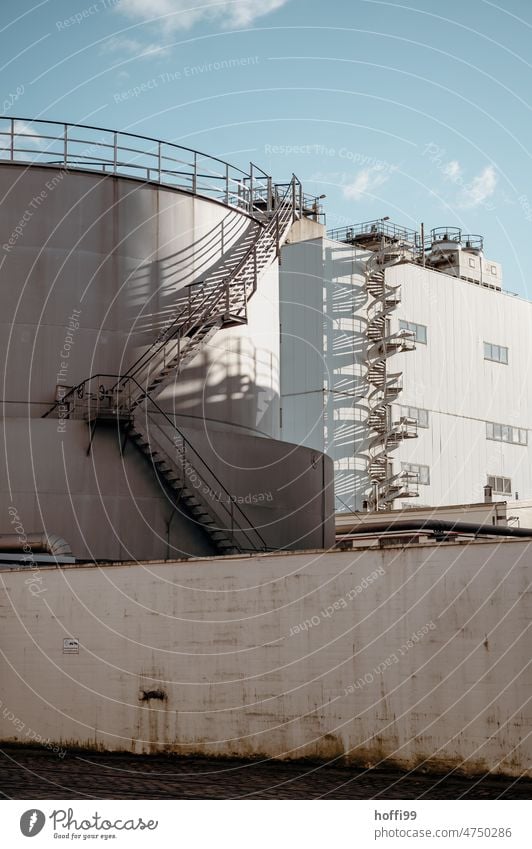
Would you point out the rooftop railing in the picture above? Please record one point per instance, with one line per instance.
(79, 146)
(373, 229)
(381, 228)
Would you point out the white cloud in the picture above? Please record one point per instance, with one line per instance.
(479, 189)
(21, 144)
(184, 14)
(452, 170)
(122, 44)
(365, 182)
(28, 131)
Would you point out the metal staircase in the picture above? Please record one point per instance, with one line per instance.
(180, 467)
(385, 386)
(219, 299)
(175, 461)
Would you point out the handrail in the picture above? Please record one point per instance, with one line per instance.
(194, 310)
(377, 227)
(229, 183)
(124, 380)
(178, 266)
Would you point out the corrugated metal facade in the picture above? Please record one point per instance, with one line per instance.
(323, 388)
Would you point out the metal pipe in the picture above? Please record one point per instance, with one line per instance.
(438, 526)
(49, 543)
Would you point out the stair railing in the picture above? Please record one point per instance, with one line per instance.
(217, 302)
(111, 399)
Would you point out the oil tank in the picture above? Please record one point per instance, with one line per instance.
(105, 234)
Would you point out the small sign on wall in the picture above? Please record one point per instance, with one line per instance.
(71, 645)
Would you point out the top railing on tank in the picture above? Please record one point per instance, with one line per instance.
(80, 146)
(376, 229)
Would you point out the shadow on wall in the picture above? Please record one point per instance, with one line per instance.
(282, 491)
(346, 408)
(158, 288)
(121, 261)
(225, 387)
(103, 495)
(105, 502)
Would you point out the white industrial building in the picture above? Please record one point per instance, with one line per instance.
(419, 385)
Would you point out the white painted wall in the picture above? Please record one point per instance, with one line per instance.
(322, 347)
(233, 384)
(280, 656)
(302, 324)
(449, 376)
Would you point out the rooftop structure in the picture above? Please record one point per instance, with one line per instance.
(417, 382)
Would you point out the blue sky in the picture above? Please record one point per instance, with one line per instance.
(417, 110)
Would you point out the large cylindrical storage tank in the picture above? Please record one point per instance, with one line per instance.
(93, 266)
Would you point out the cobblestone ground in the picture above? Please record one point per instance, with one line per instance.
(35, 774)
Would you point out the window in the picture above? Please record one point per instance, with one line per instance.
(495, 353)
(419, 330)
(494, 270)
(506, 433)
(422, 472)
(471, 262)
(500, 485)
(421, 416)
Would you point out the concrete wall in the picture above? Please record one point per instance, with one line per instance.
(409, 657)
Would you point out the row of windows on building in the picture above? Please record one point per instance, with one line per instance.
(419, 330)
(419, 415)
(499, 485)
(506, 433)
(492, 352)
(495, 431)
